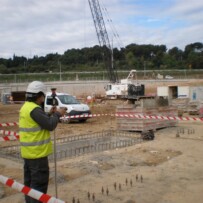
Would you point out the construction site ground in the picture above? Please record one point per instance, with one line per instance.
(171, 166)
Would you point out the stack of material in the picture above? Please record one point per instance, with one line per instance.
(18, 97)
(181, 104)
(193, 108)
(131, 123)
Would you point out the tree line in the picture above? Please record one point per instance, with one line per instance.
(133, 56)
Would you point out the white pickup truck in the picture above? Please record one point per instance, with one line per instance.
(74, 107)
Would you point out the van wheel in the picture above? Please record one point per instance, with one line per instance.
(82, 121)
(67, 120)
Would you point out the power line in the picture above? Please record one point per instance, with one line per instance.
(112, 27)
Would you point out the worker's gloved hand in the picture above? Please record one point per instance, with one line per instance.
(52, 110)
(62, 110)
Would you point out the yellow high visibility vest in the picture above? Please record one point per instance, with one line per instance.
(35, 142)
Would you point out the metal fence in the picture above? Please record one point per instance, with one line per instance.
(98, 75)
(78, 145)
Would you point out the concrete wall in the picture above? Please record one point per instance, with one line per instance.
(76, 88)
(196, 93)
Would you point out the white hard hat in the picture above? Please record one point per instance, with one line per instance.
(36, 87)
(89, 97)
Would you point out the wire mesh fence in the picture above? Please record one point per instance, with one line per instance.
(99, 75)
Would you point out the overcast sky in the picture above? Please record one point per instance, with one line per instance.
(40, 27)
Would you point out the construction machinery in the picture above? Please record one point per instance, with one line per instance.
(126, 88)
(103, 38)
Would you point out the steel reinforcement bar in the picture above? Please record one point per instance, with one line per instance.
(78, 145)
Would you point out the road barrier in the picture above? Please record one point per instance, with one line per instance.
(8, 124)
(5, 132)
(15, 135)
(138, 116)
(9, 138)
(29, 191)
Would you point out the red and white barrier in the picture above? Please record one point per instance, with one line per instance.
(84, 116)
(15, 136)
(141, 116)
(29, 191)
(9, 138)
(5, 132)
(8, 124)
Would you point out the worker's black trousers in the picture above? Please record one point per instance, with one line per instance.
(36, 176)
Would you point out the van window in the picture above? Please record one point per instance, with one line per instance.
(50, 101)
(68, 99)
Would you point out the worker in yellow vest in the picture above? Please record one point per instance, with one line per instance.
(34, 128)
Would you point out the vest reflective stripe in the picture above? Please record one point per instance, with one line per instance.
(30, 129)
(35, 143)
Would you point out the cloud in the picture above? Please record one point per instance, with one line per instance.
(173, 23)
(34, 27)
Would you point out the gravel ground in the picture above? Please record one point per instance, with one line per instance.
(170, 166)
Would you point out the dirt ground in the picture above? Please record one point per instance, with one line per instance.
(171, 166)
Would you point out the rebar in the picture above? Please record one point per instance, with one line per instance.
(78, 145)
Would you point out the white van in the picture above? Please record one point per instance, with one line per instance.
(74, 107)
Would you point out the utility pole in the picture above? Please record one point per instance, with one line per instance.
(144, 68)
(112, 59)
(59, 69)
(25, 65)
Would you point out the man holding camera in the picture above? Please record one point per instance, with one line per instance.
(35, 140)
